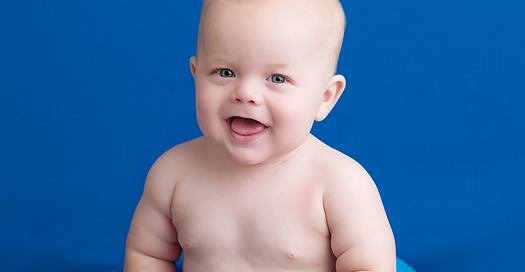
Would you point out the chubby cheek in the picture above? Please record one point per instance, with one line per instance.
(293, 126)
(207, 113)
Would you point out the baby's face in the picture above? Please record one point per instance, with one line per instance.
(260, 77)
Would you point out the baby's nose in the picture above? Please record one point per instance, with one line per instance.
(248, 92)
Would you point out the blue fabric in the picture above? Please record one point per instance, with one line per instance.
(92, 92)
(401, 266)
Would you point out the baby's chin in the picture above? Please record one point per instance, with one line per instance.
(261, 158)
(248, 157)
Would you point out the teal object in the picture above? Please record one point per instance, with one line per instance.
(401, 266)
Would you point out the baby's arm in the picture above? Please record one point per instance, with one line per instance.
(152, 239)
(360, 233)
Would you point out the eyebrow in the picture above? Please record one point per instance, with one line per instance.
(287, 67)
(223, 59)
(281, 65)
(218, 58)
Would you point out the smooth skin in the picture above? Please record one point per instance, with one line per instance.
(280, 200)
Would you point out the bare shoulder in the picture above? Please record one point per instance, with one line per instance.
(347, 186)
(167, 170)
(175, 159)
(340, 169)
(346, 182)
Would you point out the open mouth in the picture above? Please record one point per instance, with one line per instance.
(245, 129)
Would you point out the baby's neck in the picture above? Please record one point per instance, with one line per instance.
(220, 162)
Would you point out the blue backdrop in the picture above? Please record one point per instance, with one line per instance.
(92, 92)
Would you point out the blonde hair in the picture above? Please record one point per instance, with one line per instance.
(331, 11)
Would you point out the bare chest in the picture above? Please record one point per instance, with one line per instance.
(276, 225)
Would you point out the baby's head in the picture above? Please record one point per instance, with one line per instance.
(264, 71)
(328, 20)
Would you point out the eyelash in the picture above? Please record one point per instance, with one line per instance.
(285, 79)
(220, 71)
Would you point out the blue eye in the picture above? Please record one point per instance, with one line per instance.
(277, 79)
(225, 73)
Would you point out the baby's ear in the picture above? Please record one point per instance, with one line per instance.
(193, 65)
(333, 91)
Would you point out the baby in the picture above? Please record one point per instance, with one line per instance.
(258, 192)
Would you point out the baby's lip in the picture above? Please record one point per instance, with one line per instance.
(245, 130)
(229, 120)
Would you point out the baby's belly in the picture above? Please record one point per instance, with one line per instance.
(242, 264)
(271, 225)
(240, 248)
(218, 237)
